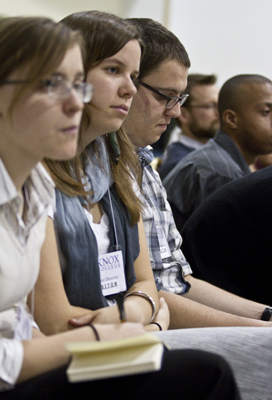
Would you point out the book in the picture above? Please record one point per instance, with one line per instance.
(107, 359)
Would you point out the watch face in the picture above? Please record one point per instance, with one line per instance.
(266, 315)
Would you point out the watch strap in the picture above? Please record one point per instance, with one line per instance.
(267, 314)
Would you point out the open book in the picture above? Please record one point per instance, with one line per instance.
(106, 359)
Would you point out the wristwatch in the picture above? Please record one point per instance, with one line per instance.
(267, 314)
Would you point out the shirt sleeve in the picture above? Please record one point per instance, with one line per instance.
(52, 208)
(172, 235)
(175, 240)
(11, 360)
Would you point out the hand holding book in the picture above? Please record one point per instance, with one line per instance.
(106, 359)
(162, 317)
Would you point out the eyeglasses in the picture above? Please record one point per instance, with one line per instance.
(170, 101)
(60, 87)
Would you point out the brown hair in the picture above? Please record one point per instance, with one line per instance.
(160, 45)
(36, 44)
(105, 35)
(195, 80)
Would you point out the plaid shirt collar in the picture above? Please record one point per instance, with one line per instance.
(145, 155)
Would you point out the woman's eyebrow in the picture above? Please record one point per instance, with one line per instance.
(118, 62)
(114, 60)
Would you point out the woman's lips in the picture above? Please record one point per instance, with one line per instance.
(70, 130)
(122, 109)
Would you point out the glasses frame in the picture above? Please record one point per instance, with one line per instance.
(88, 87)
(178, 99)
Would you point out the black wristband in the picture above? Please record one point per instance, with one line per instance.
(267, 314)
(95, 332)
(156, 323)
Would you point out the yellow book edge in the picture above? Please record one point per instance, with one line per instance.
(107, 359)
(105, 345)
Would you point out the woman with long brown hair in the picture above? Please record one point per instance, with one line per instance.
(96, 209)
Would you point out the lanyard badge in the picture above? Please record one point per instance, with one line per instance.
(112, 275)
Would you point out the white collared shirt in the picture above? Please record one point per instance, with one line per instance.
(20, 244)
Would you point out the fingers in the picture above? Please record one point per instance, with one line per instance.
(82, 320)
(163, 315)
(163, 304)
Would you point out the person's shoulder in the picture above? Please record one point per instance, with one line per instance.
(198, 155)
(262, 175)
(189, 164)
(257, 183)
(212, 160)
(185, 167)
(178, 146)
(235, 194)
(173, 154)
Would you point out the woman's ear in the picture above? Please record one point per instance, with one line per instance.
(230, 119)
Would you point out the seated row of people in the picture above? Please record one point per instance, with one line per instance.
(42, 92)
(244, 106)
(197, 123)
(98, 206)
(226, 233)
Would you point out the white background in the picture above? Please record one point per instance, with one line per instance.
(225, 37)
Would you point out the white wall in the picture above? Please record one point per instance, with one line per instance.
(57, 9)
(154, 9)
(226, 37)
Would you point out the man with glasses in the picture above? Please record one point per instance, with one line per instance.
(197, 123)
(248, 350)
(164, 69)
(244, 106)
(159, 96)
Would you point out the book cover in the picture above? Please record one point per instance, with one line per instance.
(107, 359)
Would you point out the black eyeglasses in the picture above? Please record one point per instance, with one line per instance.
(170, 101)
(60, 87)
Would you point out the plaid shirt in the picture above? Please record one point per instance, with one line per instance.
(160, 228)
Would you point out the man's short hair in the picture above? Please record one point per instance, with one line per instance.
(231, 94)
(197, 80)
(160, 45)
